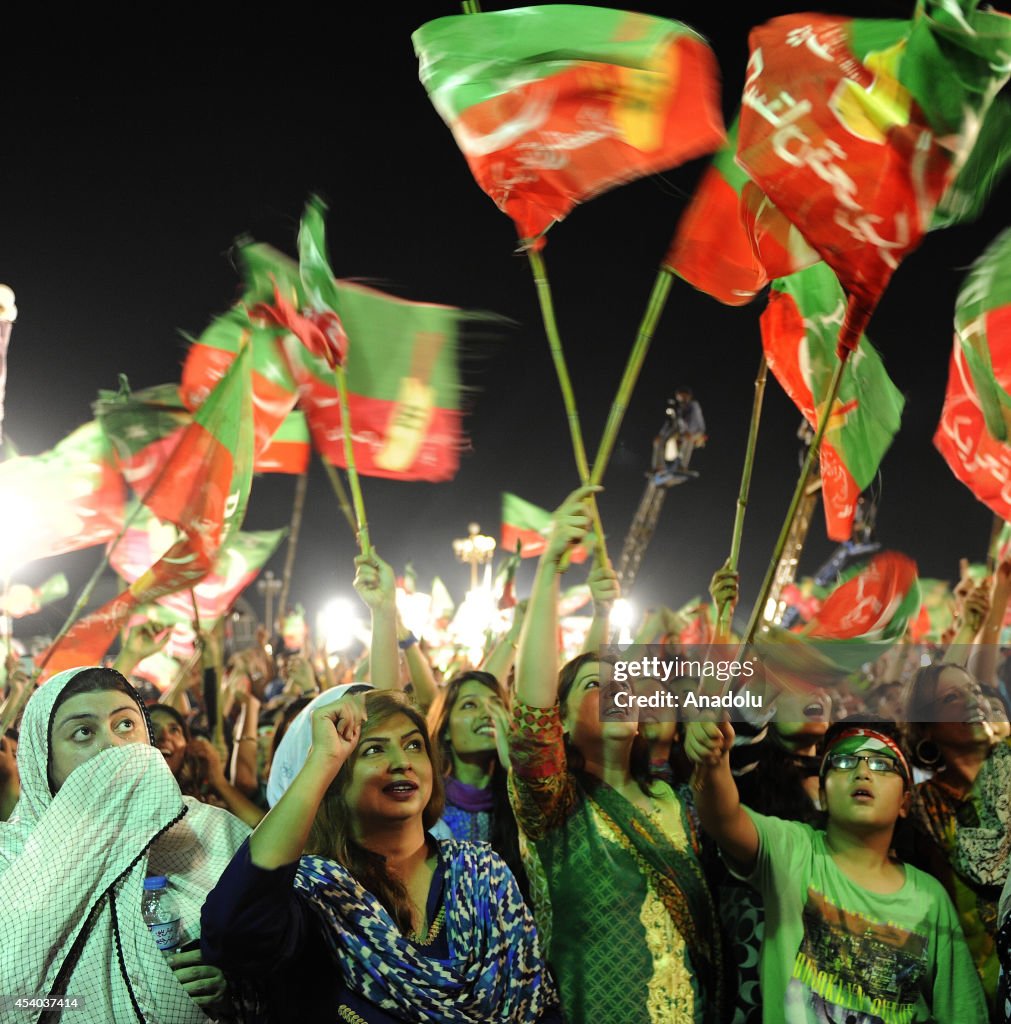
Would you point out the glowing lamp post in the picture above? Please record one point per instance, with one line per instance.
(475, 549)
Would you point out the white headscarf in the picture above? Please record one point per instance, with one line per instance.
(72, 869)
(295, 743)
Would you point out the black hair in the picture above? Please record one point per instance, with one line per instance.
(504, 836)
(638, 765)
(94, 680)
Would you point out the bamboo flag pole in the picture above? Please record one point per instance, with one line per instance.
(992, 552)
(568, 398)
(293, 530)
(758, 611)
(654, 310)
(13, 708)
(342, 497)
(742, 496)
(361, 524)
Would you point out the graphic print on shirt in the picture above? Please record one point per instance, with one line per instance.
(848, 962)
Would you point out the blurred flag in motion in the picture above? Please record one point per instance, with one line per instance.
(202, 490)
(972, 432)
(800, 327)
(552, 105)
(983, 331)
(866, 614)
(67, 498)
(855, 129)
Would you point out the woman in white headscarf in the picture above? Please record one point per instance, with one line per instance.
(99, 811)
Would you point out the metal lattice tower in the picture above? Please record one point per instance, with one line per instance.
(640, 533)
(786, 571)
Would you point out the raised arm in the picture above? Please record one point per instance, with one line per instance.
(707, 745)
(419, 668)
(605, 590)
(376, 586)
(280, 838)
(501, 657)
(537, 661)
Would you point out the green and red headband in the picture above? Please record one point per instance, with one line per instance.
(862, 738)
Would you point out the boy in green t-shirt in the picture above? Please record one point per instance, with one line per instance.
(851, 933)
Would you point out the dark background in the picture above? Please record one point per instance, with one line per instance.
(126, 172)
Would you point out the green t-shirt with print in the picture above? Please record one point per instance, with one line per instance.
(833, 948)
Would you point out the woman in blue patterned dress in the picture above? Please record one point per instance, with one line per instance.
(343, 907)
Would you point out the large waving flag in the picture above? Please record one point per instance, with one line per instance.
(210, 355)
(983, 331)
(145, 426)
(799, 331)
(866, 614)
(976, 404)
(68, 498)
(554, 104)
(527, 526)
(856, 129)
(203, 490)
(401, 362)
(236, 566)
(713, 250)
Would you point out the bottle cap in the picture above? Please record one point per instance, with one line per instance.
(155, 882)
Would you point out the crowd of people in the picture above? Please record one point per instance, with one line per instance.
(394, 843)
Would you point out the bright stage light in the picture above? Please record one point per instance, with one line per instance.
(622, 618)
(17, 524)
(338, 624)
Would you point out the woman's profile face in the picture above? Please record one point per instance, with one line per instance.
(581, 717)
(391, 774)
(87, 724)
(170, 739)
(958, 712)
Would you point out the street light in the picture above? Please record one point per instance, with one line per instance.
(268, 588)
(475, 549)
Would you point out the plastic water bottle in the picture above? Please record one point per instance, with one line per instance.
(158, 908)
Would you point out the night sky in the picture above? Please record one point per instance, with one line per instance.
(126, 175)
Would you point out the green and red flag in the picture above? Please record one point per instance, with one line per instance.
(289, 449)
(804, 597)
(504, 585)
(855, 129)
(203, 490)
(973, 428)
(400, 360)
(982, 463)
(143, 429)
(527, 525)
(983, 330)
(937, 612)
(236, 566)
(713, 249)
(67, 498)
(867, 612)
(800, 327)
(554, 104)
(210, 355)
